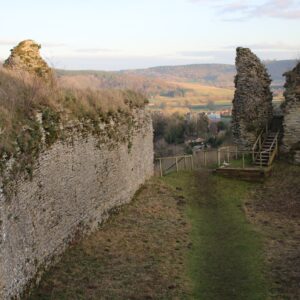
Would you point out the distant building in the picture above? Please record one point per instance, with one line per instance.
(214, 116)
(226, 113)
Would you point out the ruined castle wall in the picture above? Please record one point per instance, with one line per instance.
(75, 185)
(252, 103)
(291, 109)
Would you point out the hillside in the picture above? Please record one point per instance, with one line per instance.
(176, 87)
(155, 78)
(206, 74)
(211, 74)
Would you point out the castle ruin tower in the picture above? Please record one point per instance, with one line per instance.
(252, 103)
(291, 110)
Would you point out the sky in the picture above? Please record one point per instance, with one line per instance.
(130, 34)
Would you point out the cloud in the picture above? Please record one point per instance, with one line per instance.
(8, 42)
(287, 9)
(279, 46)
(239, 11)
(96, 50)
(16, 42)
(53, 45)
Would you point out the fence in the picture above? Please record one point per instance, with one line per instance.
(228, 156)
(166, 165)
(213, 158)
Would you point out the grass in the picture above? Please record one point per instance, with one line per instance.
(138, 254)
(197, 95)
(184, 236)
(23, 97)
(225, 261)
(238, 163)
(275, 209)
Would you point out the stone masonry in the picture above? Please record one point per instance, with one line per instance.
(75, 185)
(26, 57)
(291, 109)
(252, 103)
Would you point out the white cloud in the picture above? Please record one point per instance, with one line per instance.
(96, 50)
(239, 11)
(8, 42)
(277, 46)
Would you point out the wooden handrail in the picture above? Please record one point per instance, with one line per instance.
(275, 150)
(258, 140)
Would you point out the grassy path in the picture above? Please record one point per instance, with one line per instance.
(183, 237)
(225, 261)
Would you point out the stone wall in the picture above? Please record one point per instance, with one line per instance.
(75, 185)
(26, 57)
(252, 103)
(291, 109)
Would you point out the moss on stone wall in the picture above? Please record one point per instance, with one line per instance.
(35, 114)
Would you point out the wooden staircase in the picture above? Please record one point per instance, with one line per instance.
(265, 150)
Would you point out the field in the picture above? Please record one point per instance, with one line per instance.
(196, 97)
(177, 88)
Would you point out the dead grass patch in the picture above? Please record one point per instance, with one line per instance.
(275, 208)
(137, 254)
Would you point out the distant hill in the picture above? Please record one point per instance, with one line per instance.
(220, 75)
(116, 80)
(277, 68)
(166, 79)
(207, 74)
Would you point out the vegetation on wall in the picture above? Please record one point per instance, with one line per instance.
(30, 108)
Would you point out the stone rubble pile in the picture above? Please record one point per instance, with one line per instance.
(26, 57)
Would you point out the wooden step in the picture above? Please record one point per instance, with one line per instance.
(262, 159)
(253, 174)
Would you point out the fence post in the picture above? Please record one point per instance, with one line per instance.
(160, 167)
(219, 158)
(236, 152)
(176, 164)
(184, 163)
(243, 160)
(228, 154)
(205, 163)
(192, 162)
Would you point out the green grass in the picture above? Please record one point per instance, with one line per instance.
(238, 163)
(225, 261)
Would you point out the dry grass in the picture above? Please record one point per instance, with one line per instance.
(138, 254)
(22, 96)
(275, 208)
